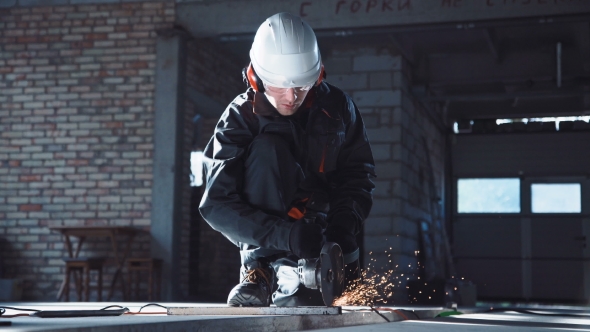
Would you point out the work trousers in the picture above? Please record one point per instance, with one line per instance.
(272, 180)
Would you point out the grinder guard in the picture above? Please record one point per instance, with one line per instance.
(325, 273)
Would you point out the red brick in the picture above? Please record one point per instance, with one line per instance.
(95, 36)
(27, 39)
(49, 39)
(77, 162)
(30, 207)
(82, 44)
(126, 72)
(138, 64)
(29, 178)
(112, 125)
(122, 28)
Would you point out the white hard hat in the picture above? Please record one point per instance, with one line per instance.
(285, 52)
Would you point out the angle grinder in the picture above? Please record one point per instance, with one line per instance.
(325, 273)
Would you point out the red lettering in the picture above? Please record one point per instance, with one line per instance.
(371, 4)
(386, 5)
(340, 3)
(402, 6)
(355, 6)
(302, 8)
(490, 3)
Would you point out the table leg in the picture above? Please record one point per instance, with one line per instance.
(64, 282)
(120, 263)
(71, 254)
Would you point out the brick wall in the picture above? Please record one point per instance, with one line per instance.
(402, 137)
(76, 109)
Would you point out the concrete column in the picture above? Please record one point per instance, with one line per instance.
(168, 148)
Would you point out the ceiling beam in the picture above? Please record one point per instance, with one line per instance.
(568, 106)
(206, 18)
(549, 94)
(465, 69)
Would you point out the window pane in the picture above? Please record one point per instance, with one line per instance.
(488, 196)
(196, 175)
(556, 198)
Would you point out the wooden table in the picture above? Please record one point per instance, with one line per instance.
(83, 232)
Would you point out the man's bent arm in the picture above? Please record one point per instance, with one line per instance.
(222, 205)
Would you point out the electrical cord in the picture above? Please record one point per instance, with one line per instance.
(149, 313)
(377, 310)
(380, 314)
(124, 309)
(3, 311)
(115, 306)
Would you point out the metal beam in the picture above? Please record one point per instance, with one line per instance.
(248, 36)
(507, 96)
(211, 18)
(168, 158)
(572, 106)
(459, 69)
(254, 310)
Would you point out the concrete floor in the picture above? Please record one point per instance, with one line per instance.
(419, 319)
(492, 322)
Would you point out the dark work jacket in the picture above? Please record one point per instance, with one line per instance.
(333, 150)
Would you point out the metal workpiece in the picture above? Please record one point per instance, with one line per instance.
(255, 310)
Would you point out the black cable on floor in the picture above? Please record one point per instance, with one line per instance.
(152, 304)
(3, 309)
(115, 306)
(378, 313)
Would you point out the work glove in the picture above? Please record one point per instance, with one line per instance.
(341, 229)
(306, 240)
(316, 217)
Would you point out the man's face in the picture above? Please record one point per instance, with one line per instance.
(286, 100)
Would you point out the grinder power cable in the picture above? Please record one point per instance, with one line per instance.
(325, 273)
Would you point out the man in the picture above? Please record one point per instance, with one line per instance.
(289, 167)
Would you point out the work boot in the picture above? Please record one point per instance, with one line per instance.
(254, 290)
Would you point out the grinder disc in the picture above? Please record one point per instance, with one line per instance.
(332, 272)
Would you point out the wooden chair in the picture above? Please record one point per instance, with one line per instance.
(153, 268)
(83, 265)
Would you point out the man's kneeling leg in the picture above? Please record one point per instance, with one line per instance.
(255, 288)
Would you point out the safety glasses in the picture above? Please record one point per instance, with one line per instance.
(277, 91)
